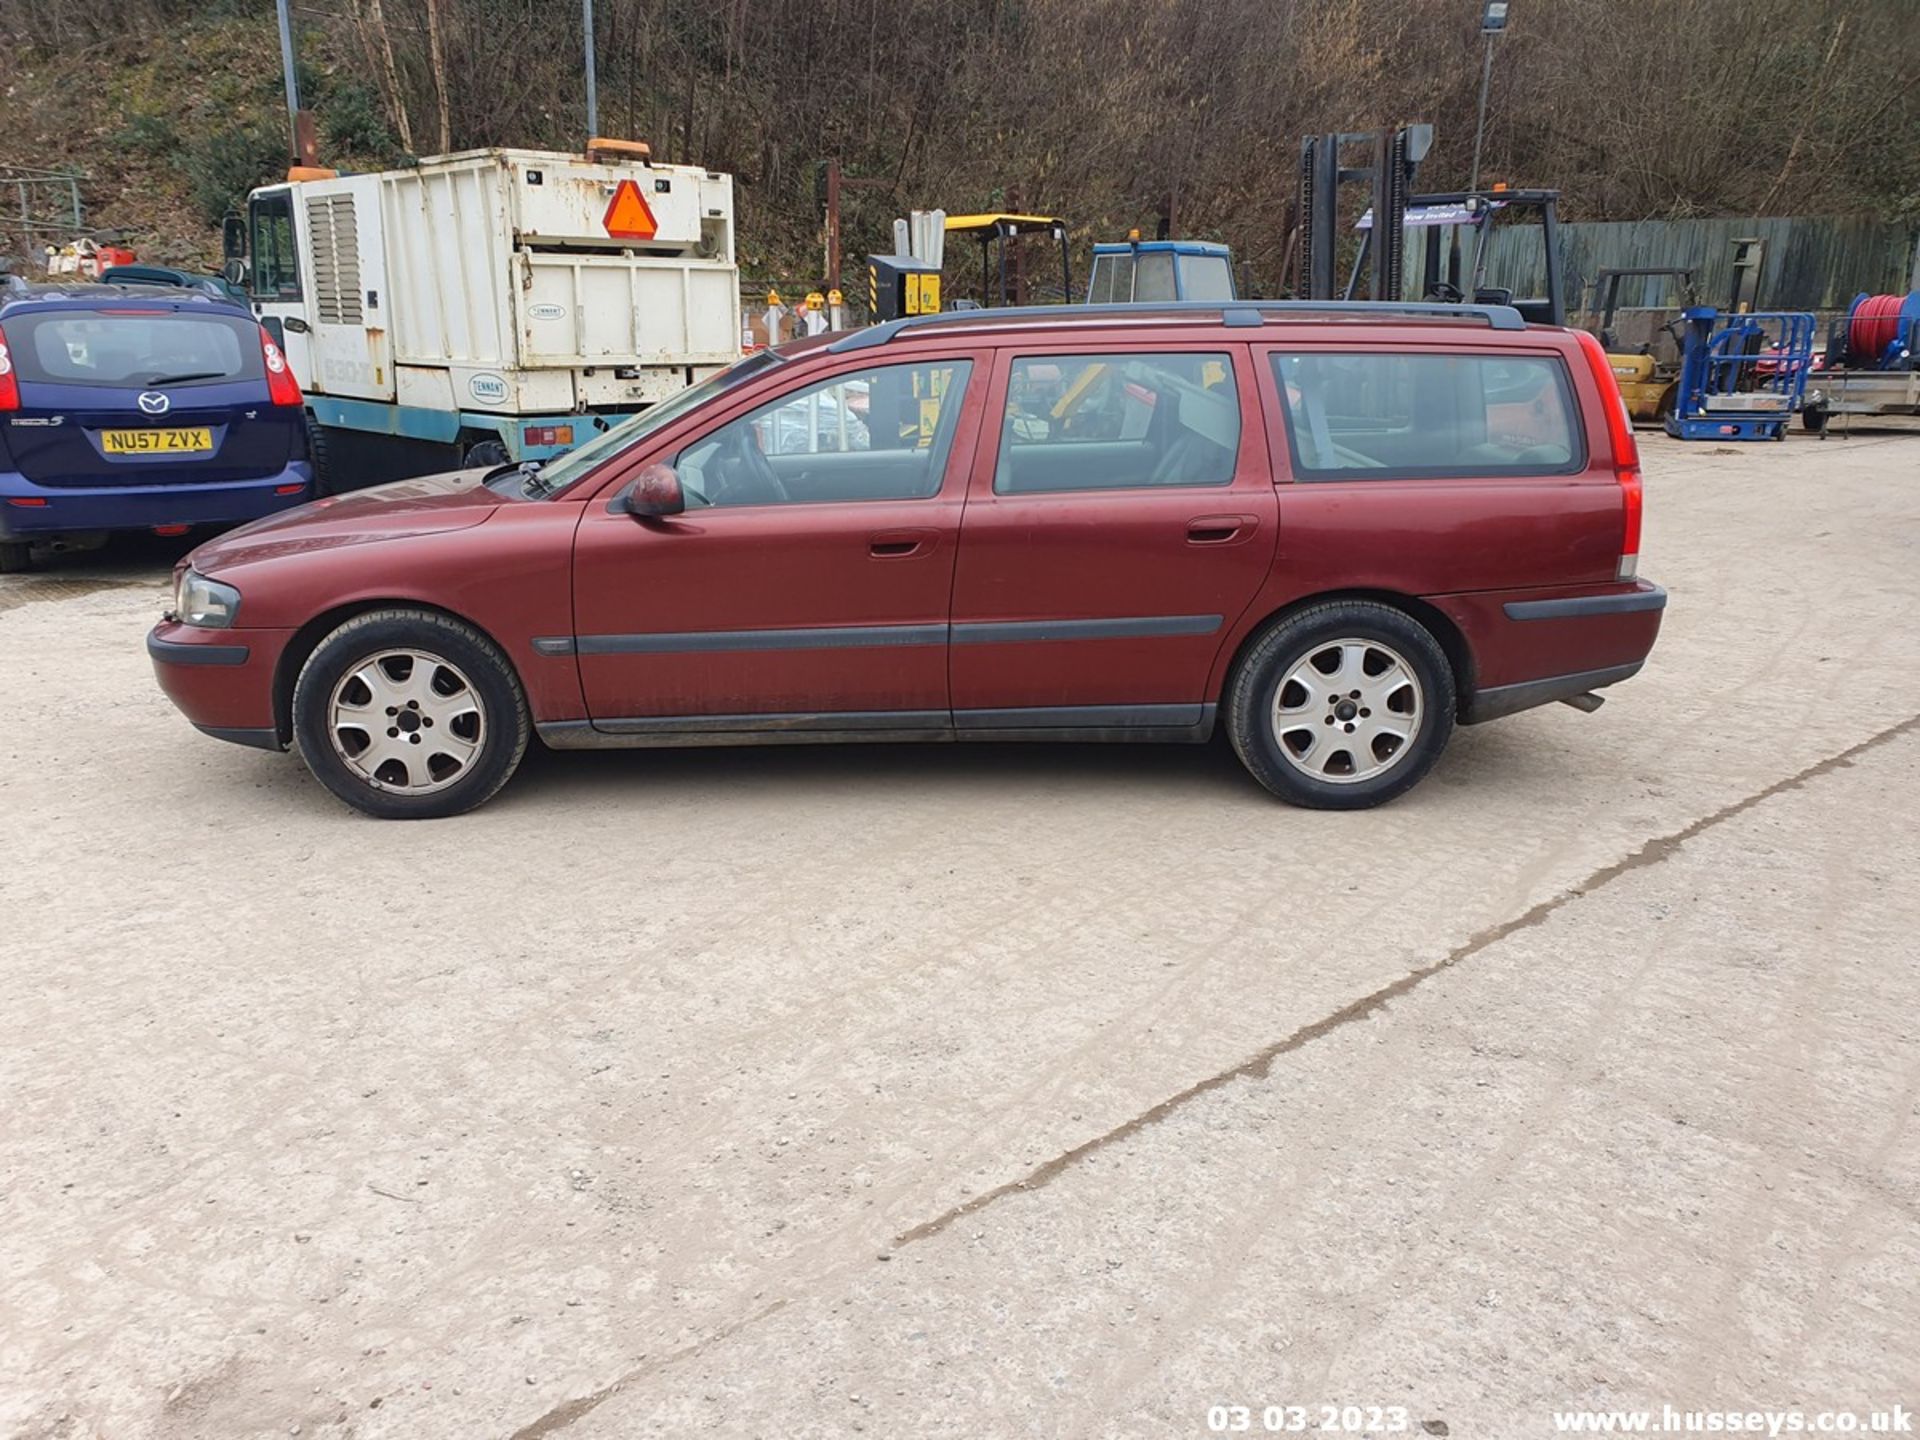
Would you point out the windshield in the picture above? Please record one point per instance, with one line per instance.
(562, 471)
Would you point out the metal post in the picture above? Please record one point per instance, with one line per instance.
(593, 98)
(833, 224)
(1480, 127)
(286, 63)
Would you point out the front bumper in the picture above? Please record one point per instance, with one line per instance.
(221, 680)
(65, 510)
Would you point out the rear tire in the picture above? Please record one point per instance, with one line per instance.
(1813, 419)
(459, 717)
(16, 557)
(320, 457)
(485, 452)
(1342, 706)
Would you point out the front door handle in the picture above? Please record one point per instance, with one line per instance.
(900, 544)
(1220, 529)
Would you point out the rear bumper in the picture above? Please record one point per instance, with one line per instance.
(1500, 700)
(62, 509)
(1533, 647)
(221, 680)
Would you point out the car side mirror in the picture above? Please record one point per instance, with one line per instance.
(655, 491)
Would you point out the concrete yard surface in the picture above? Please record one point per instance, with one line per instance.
(989, 1091)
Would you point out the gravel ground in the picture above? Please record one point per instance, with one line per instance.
(991, 1091)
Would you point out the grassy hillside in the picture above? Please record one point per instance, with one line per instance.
(174, 130)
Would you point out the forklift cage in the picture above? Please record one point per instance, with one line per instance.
(1000, 230)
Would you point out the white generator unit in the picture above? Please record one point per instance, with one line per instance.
(507, 303)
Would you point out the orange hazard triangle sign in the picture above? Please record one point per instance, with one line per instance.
(628, 216)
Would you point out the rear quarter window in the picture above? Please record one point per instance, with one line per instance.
(1378, 416)
(88, 347)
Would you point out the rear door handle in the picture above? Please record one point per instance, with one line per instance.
(900, 544)
(1220, 529)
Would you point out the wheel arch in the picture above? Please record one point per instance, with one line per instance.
(294, 656)
(1436, 621)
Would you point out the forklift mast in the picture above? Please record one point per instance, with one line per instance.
(1393, 158)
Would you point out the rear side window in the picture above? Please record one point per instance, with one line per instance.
(89, 347)
(1395, 416)
(1107, 422)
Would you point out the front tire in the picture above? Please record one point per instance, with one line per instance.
(409, 715)
(1342, 706)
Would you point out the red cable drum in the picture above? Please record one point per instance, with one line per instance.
(1873, 324)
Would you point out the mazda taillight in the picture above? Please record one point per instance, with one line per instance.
(9, 386)
(282, 388)
(1626, 452)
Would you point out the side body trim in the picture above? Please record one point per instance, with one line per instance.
(836, 637)
(857, 637)
(1137, 627)
(1578, 607)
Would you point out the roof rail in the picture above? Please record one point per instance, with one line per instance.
(1234, 313)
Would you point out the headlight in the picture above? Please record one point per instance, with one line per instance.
(206, 603)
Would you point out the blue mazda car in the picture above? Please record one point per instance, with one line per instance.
(127, 409)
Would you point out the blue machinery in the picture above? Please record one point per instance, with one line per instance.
(1741, 376)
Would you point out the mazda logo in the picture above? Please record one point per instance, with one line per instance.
(153, 402)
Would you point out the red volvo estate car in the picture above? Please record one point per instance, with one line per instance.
(1337, 530)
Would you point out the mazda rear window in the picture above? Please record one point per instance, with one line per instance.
(1387, 416)
(92, 347)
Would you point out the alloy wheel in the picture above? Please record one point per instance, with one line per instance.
(406, 721)
(1348, 710)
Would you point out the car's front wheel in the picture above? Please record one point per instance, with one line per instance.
(409, 715)
(1341, 706)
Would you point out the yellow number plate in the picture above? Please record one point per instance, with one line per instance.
(156, 442)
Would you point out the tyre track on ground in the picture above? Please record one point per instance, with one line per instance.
(1256, 1067)
(1260, 1064)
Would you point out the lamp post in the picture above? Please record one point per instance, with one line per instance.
(1493, 21)
(593, 98)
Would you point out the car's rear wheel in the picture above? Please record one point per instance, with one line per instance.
(409, 715)
(16, 557)
(1341, 706)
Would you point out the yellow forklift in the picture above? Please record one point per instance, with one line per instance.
(1650, 374)
(1001, 279)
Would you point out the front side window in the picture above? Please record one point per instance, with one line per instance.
(1387, 416)
(1153, 277)
(877, 434)
(1104, 422)
(276, 265)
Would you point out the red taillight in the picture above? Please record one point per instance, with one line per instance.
(282, 388)
(170, 529)
(1626, 451)
(9, 387)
